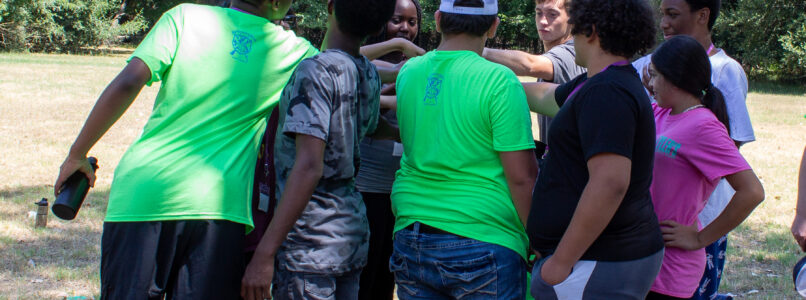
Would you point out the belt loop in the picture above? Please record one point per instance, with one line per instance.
(416, 227)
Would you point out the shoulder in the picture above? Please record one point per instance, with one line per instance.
(642, 62)
(724, 65)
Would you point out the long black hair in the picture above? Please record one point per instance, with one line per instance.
(383, 36)
(684, 63)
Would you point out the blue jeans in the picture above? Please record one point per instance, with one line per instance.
(312, 286)
(447, 266)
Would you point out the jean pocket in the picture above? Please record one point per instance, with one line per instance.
(475, 276)
(319, 286)
(399, 268)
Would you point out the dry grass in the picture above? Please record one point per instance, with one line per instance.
(44, 100)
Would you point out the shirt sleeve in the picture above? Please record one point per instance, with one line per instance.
(510, 120)
(562, 91)
(732, 82)
(563, 60)
(606, 120)
(310, 105)
(159, 47)
(716, 155)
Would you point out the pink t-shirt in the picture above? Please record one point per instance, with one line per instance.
(692, 152)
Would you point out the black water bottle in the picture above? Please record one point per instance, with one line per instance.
(73, 193)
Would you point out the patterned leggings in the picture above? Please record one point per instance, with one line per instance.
(714, 264)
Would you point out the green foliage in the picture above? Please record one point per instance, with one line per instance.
(767, 36)
(60, 25)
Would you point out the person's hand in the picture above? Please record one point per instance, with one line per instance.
(70, 166)
(645, 79)
(799, 231)
(408, 48)
(681, 236)
(553, 272)
(256, 282)
(534, 256)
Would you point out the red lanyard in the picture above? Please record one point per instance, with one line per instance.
(617, 64)
(710, 49)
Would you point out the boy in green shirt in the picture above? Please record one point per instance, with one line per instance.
(179, 202)
(464, 189)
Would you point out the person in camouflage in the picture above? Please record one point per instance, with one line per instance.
(318, 238)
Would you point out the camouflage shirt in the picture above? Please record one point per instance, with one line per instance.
(334, 97)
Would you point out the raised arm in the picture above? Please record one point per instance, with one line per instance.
(520, 168)
(113, 102)
(522, 63)
(302, 181)
(540, 96)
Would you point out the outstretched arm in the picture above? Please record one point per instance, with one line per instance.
(408, 48)
(540, 96)
(302, 181)
(113, 102)
(522, 63)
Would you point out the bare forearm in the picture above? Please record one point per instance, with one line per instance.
(388, 75)
(801, 206)
(522, 63)
(522, 197)
(540, 96)
(298, 191)
(113, 102)
(597, 205)
(388, 102)
(749, 194)
(377, 50)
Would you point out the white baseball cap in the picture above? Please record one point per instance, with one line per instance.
(489, 7)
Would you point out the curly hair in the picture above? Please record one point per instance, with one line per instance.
(624, 27)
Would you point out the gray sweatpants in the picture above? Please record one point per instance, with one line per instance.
(591, 279)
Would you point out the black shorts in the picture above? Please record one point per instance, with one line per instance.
(193, 259)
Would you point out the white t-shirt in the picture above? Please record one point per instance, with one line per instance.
(729, 77)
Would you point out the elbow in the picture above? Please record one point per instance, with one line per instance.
(614, 187)
(756, 193)
(310, 168)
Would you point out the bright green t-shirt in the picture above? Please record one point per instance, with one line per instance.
(456, 112)
(222, 71)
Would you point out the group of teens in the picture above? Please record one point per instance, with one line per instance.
(428, 182)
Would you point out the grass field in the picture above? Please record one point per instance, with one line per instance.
(44, 100)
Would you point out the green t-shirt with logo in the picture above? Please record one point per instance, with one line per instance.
(456, 112)
(222, 71)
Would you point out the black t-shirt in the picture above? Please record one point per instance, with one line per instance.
(611, 113)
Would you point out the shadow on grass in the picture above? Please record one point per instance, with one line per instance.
(60, 258)
(777, 88)
(761, 257)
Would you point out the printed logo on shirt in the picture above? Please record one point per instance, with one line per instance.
(242, 45)
(667, 147)
(432, 89)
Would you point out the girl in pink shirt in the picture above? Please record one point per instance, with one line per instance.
(692, 153)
